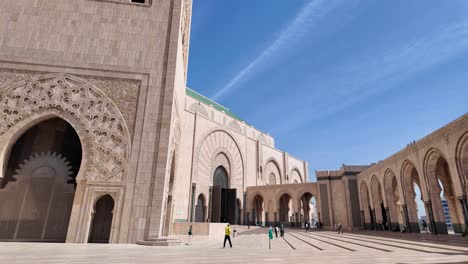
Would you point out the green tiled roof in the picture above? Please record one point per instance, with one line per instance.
(207, 101)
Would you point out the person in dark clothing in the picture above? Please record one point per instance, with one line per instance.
(276, 231)
(339, 228)
(282, 231)
(424, 225)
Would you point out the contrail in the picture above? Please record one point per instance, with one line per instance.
(307, 17)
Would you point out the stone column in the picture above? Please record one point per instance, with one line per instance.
(456, 214)
(373, 220)
(435, 205)
(413, 225)
(430, 215)
(406, 217)
(297, 224)
(464, 206)
(363, 220)
(389, 219)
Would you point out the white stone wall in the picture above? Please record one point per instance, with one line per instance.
(206, 132)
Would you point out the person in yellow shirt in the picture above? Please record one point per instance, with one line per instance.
(227, 235)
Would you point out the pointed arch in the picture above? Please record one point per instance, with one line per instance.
(85, 106)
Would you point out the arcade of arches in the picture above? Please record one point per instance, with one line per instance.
(286, 204)
(425, 181)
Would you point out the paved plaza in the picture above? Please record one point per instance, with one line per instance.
(252, 246)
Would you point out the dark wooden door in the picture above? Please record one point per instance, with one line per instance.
(230, 205)
(102, 220)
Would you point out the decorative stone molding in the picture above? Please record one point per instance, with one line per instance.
(214, 143)
(185, 28)
(100, 119)
(123, 92)
(271, 167)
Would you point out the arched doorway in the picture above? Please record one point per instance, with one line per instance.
(448, 214)
(223, 208)
(200, 209)
(393, 201)
(39, 186)
(415, 208)
(308, 209)
(380, 213)
(258, 210)
(285, 206)
(102, 220)
(366, 210)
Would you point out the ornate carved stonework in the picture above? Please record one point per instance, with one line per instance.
(186, 19)
(123, 92)
(99, 118)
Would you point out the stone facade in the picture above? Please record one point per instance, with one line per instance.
(115, 71)
(437, 164)
(113, 74)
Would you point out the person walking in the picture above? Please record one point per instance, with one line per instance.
(189, 242)
(234, 232)
(227, 235)
(282, 231)
(339, 228)
(424, 225)
(276, 231)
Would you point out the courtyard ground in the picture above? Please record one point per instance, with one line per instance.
(251, 246)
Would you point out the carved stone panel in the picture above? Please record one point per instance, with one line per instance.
(106, 131)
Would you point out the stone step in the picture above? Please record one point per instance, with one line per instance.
(162, 242)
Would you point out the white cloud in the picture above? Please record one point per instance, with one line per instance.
(307, 17)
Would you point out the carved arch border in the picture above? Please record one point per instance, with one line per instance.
(295, 168)
(462, 144)
(11, 136)
(364, 190)
(198, 148)
(108, 138)
(291, 195)
(406, 181)
(266, 173)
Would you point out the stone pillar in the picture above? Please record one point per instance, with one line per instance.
(297, 224)
(363, 220)
(254, 216)
(430, 214)
(406, 217)
(210, 204)
(389, 219)
(373, 220)
(437, 211)
(413, 225)
(464, 206)
(456, 214)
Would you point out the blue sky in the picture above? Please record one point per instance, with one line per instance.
(335, 82)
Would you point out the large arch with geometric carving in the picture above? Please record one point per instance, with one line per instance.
(99, 125)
